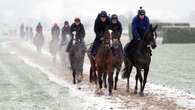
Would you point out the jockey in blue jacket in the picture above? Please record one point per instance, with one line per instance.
(140, 25)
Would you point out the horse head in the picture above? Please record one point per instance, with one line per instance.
(106, 38)
(115, 39)
(150, 36)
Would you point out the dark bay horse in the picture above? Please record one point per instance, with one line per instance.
(117, 58)
(140, 59)
(76, 50)
(103, 62)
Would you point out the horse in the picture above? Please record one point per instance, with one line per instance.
(103, 62)
(140, 59)
(54, 47)
(38, 41)
(76, 50)
(117, 58)
(92, 71)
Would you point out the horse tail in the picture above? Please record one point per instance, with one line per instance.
(126, 70)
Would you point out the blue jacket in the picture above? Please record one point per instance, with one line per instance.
(139, 27)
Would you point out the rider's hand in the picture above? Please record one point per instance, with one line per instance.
(139, 39)
(102, 38)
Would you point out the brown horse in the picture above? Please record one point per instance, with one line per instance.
(102, 64)
(117, 58)
(92, 72)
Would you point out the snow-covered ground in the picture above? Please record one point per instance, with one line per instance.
(32, 81)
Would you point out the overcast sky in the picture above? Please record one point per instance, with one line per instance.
(12, 11)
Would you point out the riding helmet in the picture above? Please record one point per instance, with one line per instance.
(103, 14)
(141, 11)
(77, 19)
(114, 16)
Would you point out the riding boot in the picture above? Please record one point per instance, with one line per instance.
(95, 45)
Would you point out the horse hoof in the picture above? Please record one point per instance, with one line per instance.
(110, 94)
(105, 87)
(141, 94)
(115, 88)
(135, 92)
(79, 81)
(74, 82)
(127, 90)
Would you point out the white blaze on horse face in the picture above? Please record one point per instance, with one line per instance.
(110, 31)
(74, 33)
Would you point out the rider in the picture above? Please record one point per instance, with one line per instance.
(65, 31)
(55, 31)
(140, 25)
(77, 27)
(39, 29)
(31, 33)
(26, 32)
(22, 30)
(102, 23)
(116, 28)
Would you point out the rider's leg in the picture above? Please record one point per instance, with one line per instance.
(95, 46)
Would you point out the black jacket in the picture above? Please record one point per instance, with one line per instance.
(100, 27)
(116, 28)
(80, 31)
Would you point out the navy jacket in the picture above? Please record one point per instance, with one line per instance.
(139, 27)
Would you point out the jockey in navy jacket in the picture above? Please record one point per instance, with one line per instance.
(140, 25)
(102, 23)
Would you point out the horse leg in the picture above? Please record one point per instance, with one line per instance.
(116, 77)
(74, 75)
(136, 78)
(100, 79)
(129, 71)
(92, 75)
(79, 77)
(105, 77)
(110, 81)
(145, 78)
(95, 76)
(141, 81)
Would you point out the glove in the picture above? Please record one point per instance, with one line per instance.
(102, 38)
